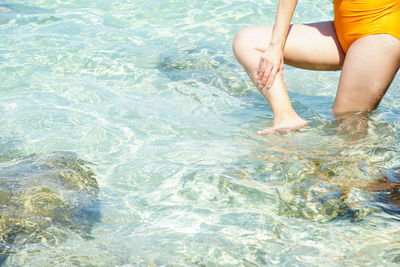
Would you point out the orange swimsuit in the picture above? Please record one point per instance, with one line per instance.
(358, 18)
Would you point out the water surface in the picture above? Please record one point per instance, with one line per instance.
(150, 92)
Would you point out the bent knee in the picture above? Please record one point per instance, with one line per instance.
(241, 40)
(250, 38)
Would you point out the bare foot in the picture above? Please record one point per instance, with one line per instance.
(284, 127)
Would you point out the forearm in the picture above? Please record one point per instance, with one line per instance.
(282, 22)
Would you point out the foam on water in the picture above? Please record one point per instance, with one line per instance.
(150, 92)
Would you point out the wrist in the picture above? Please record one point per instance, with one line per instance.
(275, 46)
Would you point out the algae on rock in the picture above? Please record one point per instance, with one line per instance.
(39, 192)
(329, 186)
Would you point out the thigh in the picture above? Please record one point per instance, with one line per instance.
(370, 65)
(310, 46)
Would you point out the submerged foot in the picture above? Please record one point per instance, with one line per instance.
(284, 127)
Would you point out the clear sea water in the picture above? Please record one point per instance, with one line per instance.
(150, 92)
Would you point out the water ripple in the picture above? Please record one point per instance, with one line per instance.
(151, 92)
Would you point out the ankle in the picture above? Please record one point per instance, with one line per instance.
(286, 116)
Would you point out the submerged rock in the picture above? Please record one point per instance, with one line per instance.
(57, 190)
(318, 200)
(329, 187)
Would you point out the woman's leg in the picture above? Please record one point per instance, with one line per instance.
(371, 64)
(311, 46)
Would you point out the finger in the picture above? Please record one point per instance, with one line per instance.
(260, 68)
(281, 68)
(272, 76)
(266, 75)
(260, 49)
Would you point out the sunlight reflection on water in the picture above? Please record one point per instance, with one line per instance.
(150, 92)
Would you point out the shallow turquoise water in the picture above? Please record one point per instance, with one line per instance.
(150, 92)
